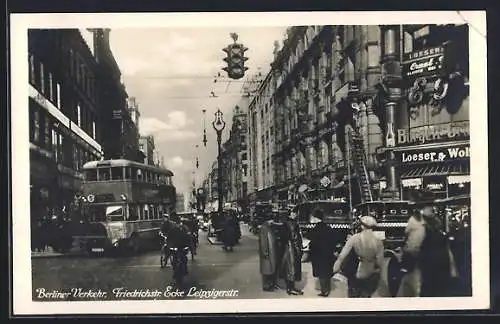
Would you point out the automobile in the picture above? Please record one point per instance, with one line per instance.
(204, 225)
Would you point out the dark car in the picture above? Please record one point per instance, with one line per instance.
(391, 216)
(336, 213)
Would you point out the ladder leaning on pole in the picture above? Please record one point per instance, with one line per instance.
(358, 159)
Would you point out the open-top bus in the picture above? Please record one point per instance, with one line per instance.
(124, 203)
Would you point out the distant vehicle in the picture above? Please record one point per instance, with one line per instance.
(124, 204)
(260, 213)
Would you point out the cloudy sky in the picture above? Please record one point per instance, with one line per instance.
(171, 73)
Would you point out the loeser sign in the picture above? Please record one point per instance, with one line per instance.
(427, 62)
(435, 155)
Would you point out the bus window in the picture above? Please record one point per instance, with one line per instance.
(104, 174)
(96, 214)
(117, 173)
(162, 179)
(115, 213)
(146, 212)
(133, 213)
(168, 180)
(128, 173)
(156, 178)
(138, 174)
(91, 175)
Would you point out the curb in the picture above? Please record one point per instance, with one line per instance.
(213, 241)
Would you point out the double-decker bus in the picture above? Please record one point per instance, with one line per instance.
(124, 204)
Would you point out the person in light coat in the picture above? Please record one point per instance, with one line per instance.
(268, 256)
(369, 250)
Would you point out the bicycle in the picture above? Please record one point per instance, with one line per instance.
(178, 258)
(164, 256)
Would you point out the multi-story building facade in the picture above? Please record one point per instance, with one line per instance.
(64, 127)
(395, 85)
(430, 148)
(261, 141)
(147, 147)
(320, 72)
(236, 160)
(121, 134)
(180, 204)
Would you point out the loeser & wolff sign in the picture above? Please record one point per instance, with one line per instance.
(435, 155)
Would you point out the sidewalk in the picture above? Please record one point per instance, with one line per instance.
(50, 253)
(246, 277)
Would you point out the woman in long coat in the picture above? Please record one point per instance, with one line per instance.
(292, 259)
(268, 256)
(230, 233)
(322, 248)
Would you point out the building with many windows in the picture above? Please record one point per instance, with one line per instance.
(235, 157)
(147, 147)
(344, 110)
(64, 116)
(120, 137)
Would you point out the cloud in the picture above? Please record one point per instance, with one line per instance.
(175, 162)
(172, 129)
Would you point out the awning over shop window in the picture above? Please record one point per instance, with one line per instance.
(458, 179)
(436, 170)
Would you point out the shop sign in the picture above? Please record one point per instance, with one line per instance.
(434, 133)
(434, 155)
(412, 183)
(424, 63)
(434, 184)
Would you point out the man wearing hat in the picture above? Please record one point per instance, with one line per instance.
(369, 250)
(435, 260)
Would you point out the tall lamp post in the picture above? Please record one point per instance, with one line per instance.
(219, 124)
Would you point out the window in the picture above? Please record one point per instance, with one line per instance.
(42, 78)
(36, 126)
(128, 173)
(133, 214)
(75, 158)
(47, 132)
(58, 93)
(93, 130)
(117, 173)
(104, 174)
(32, 68)
(244, 156)
(78, 115)
(138, 174)
(60, 148)
(91, 175)
(51, 87)
(114, 213)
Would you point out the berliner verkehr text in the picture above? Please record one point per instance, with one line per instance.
(73, 293)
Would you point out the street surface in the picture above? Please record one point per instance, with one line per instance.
(236, 273)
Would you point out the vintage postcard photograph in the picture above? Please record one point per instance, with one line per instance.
(249, 162)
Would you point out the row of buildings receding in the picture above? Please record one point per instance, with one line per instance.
(403, 87)
(79, 111)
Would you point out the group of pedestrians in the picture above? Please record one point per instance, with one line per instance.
(280, 251)
(427, 265)
(428, 262)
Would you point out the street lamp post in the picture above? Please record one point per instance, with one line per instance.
(219, 125)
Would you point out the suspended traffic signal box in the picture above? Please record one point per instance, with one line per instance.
(235, 60)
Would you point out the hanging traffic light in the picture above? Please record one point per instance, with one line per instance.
(235, 60)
